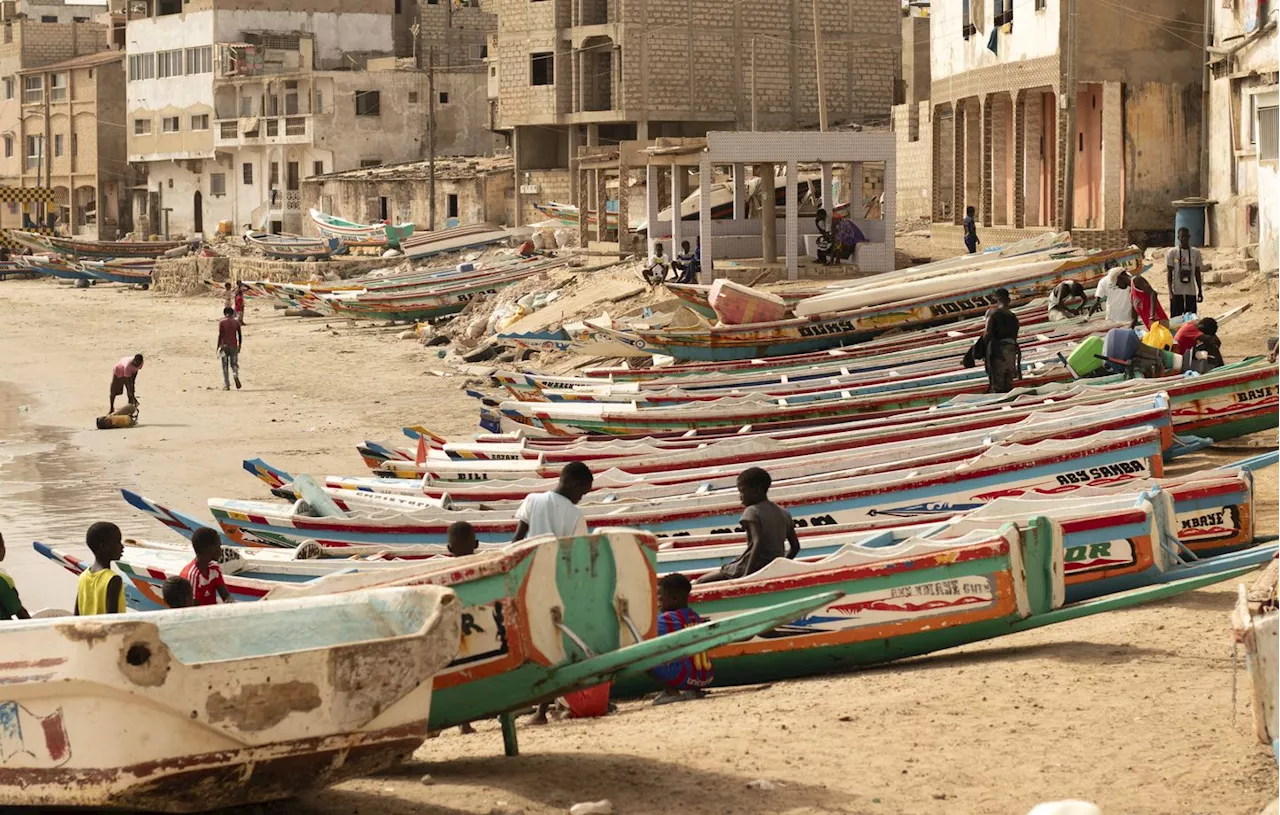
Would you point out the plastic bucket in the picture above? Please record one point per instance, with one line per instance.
(589, 702)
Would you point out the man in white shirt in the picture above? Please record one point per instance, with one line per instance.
(1186, 287)
(556, 513)
(656, 272)
(1112, 295)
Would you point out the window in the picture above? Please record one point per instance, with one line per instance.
(247, 170)
(142, 66)
(1002, 12)
(57, 144)
(32, 89)
(451, 205)
(319, 103)
(35, 150)
(1041, 4)
(75, 145)
(169, 124)
(398, 9)
(368, 103)
(169, 63)
(58, 87)
(246, 106)
(275, 175)
(967, 28)
(217, 183)
(8, 87)
(1268, 131)
(370, 162)
(8, 146)
(200, 122)
(48, 19)
(542, 69)
(200, 60)
(317, 168)
(79, 19)
(413, 97)
(142, 127)
(444, 97)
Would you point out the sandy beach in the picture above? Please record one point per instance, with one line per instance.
(1132, 710)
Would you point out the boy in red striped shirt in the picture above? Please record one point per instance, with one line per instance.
(204, 574)
(684, 678)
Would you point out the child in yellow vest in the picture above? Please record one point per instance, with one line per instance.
(10, 604)
(101, 591)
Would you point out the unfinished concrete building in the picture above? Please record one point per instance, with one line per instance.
(587, 72)
(1003, 73)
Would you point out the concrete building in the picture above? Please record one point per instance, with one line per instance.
(70, 138)
(1007, 78)
(51, 11)
(591, 72)
(1243, 103)
(233, 103)
(468, 190)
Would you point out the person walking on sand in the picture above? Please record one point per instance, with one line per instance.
(239, 302)
(228, 295)
(100, 590)
(229, 340)
(124, 379)
(970, 231)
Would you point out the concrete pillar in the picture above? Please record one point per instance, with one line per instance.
(593, 134)
(651, 203)
(642, 131)
(857, 181)
(793, 222)
(988, 111)
(602, 200)
(575, 139)
(705, 181)
(739, 191)
(1000, 169)
(768, 215)
(515, 162)
(579, 181)
(828, 198)
(624, 208)
(1033, 132)
(1113, 157)
(678, 187)
(959, 121)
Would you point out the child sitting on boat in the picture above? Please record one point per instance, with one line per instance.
(203, 573)
(767, 525)
(100, 590)
(462, 539)
(177, 593)
(685, 678)
(11, 607)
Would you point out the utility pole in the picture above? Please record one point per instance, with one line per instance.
(431, 138)
(1069, 98)
(755, 123)
(817, 55)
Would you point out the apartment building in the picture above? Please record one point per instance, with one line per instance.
(52, 11)
(71, 138)
(585, 72)
(232, 104)
(1008, 78)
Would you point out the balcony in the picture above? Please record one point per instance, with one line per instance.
(252, 130)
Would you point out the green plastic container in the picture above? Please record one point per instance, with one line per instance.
(1084, 359)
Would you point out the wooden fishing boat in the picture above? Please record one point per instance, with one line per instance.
(1229, 401)
(543, 617)
(54, 266)
(906, 605)
(155, 712)
(818, 331)
(384, 234)
(99, 250)
(13, 268)
(1255, 624)
(472, 236)
(1048, 467)
(134, 272)
(294, 247)
(429, 303)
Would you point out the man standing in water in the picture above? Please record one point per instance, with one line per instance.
(1003, 358)
(124, 379)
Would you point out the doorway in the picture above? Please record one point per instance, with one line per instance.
(197, 217)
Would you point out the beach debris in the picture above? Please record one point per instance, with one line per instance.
(762, 784)
(426, 780)
(604, 807)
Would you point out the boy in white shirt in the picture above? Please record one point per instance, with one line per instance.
(1112, 295)
(556, 513)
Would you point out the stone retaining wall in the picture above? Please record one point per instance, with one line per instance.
(187, 276)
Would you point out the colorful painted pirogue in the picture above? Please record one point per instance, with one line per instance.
(294, 247)
(545, 616)
(202, 708)
(354, 234)
(829, 330)
(429, 301)
(78, 248)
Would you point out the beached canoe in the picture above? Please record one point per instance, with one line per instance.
(331, 226)
(201, 708)
(1255, 624)
(294, 247)
(904, 606)
(97, 250)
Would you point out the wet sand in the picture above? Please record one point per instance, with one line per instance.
(1132, 710)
